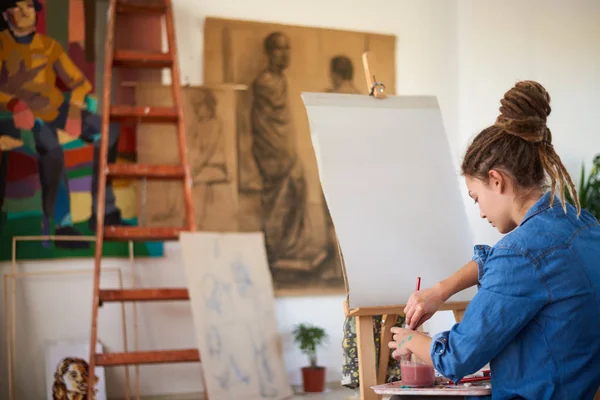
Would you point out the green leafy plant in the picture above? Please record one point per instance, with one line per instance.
(589, 189)
(309, 337)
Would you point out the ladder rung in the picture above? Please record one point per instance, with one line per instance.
(140, 6)
(141, 233)
(142, 59)
(148, 357)
(143, 114)
(132, 171)
(159, 294)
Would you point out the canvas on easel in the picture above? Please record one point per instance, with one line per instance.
(392, 190)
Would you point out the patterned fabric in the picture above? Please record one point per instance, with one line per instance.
(350, 377)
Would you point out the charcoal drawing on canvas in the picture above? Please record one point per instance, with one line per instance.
(209, 115)
(278, 183)
(341, 71)
(283, 197)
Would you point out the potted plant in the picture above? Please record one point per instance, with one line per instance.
(308, 338)
(589, 189)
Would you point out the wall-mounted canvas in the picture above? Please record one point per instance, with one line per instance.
(49, 131)
(210, 120)
(279, 189)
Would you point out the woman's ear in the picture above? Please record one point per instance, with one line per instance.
(497, 181)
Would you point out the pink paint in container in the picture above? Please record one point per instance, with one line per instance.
(416, 373)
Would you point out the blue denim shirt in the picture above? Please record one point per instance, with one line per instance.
(536, 314)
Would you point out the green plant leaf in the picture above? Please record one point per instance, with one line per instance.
(308, 338)
(589, 189)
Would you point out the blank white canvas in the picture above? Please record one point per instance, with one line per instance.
(233, 309)
(391, 188)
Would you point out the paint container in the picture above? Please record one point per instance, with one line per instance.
(415, 373)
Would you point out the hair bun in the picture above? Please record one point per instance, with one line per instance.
(524, 110)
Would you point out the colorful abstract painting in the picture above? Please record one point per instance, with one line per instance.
(49, 136)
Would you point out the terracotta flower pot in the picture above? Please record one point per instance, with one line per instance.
(313, 379)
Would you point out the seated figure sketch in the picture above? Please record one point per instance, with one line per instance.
(213, 189)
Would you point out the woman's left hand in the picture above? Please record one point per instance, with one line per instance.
(400, 340)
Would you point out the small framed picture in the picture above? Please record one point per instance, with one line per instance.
(67, 370)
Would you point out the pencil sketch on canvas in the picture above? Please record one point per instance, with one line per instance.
(210, 133)
(233, 310)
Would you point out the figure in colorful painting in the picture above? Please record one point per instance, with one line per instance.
(44, 95)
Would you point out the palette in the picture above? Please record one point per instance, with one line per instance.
(440, 388)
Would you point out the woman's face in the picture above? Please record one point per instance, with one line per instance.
(496, 203)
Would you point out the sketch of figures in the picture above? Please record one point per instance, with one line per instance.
(265, 373)
(233, 309)
(242, 278)
(284, 192)
(208, 163)
(341, 72)
(274, 150)
(223, 365)
(210, 122)
(217, 295)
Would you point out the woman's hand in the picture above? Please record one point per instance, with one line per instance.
(399, 341)
(422, 305)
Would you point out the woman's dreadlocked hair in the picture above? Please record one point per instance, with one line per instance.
(520, 144)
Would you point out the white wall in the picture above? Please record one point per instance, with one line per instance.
(467, 52)
(554, 42)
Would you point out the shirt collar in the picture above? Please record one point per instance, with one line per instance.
(540, 206)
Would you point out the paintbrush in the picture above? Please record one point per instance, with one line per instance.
(418, 288)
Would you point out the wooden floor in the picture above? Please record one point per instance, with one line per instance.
(329, 394)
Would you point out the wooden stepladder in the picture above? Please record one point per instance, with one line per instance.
(121, 113)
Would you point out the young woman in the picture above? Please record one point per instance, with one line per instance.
(536, 315)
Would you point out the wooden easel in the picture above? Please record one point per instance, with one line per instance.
(370, 371)
(373, 372)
